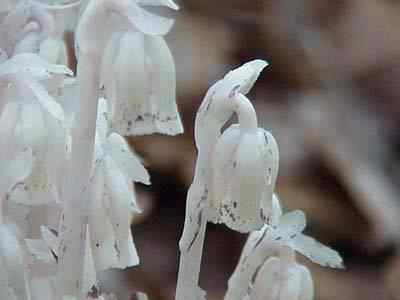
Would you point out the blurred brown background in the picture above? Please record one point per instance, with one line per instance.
(330, 97)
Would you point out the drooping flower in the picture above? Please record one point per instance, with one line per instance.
(140, 87)
(245, 167)
(279, 279)
(283, 235)
(37, 125)
(143, 93)
(235, 171)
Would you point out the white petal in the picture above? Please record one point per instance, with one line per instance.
(102, 237)
(36, 189)
(307, 285)
(266, 284)
(58, 149)
(121, 199)
(107, 75)
(317, 252)
(12, 255)
(167, 3)
(32, 64)
(43, 97)
(163, 86)
(89, 272)
(132, 112)
(271, 164)
(290, 226)
(18, 170)
(242, 207)
(223, 162)
(276, 209)
(126, 159)
(291, 284)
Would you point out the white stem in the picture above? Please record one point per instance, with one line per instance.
(74, 221)
(247, 269)
(192, 240)
(246, 113)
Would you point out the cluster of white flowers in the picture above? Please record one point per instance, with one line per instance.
(234, 184)
(67, 174)
(66, 182)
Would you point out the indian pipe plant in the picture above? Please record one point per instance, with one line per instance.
(67, 174)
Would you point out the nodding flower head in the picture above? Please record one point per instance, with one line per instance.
(241, 163)
(140, 82)
(35, 121)
(280, 279)
(244, 171)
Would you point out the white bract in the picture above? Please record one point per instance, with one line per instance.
(33, 120)
(112, 198)
(285, 236)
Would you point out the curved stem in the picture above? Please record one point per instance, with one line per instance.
(246, 113)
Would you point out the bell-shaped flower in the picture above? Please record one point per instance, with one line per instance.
(244, 170)
(278, 279)
(37, 124)
(112, 199)
(16, 162)
(141, 86)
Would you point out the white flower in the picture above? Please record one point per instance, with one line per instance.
(244, 170)
(280, 280)
(112, 199)
(34, 120)
(141, 86)
(285, 234)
